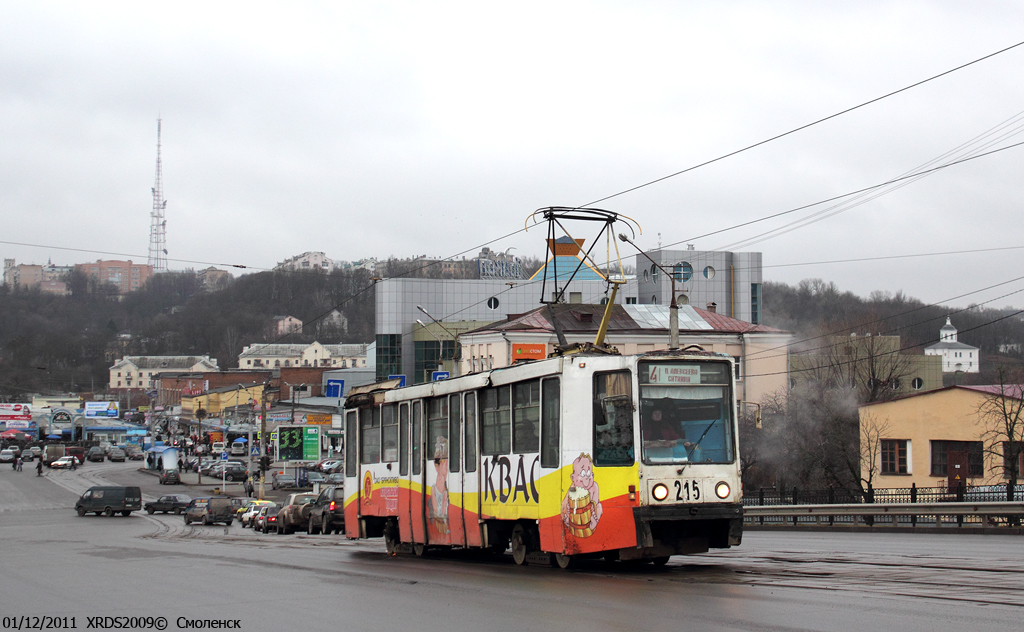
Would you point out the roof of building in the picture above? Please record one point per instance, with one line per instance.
(951, 345)
(577, 318)
(296, 349)
(1015, 391)
(167, 363)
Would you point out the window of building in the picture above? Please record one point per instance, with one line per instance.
(709, 272)
(948, 455)
(736, 367)
(755, 303)
(917, 384)
(682, 299)
(575, 297)
(654, 273)
(682, 271)
(630, 300)
(894, 456)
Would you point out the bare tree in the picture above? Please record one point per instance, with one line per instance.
(1001, 415)
(872, 431)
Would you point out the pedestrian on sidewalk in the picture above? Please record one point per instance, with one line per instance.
(17, 463)
(39, 467)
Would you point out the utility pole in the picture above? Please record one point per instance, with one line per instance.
(263, 437)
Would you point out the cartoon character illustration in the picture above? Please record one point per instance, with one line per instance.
(438, 505)
(581, 507)
(367, 487)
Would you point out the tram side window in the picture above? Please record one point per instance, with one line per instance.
(417, 437)
(351, 432)
(403, 439)
(437, 428)
(454, 433)
(613, 419)
(526, 417)
(470, 442)
(550, 422)
(496, 415)
(369, 435)
(389, 432)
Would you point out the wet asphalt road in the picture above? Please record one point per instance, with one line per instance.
(56, 563)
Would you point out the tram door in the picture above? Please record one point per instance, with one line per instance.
(470, 485)
(456, 521)
(410, 509)
(436, 471)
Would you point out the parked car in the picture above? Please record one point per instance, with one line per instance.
(64, 463)
(170, 477)
(251, 510)
(327, 513)
(209, 510)
(283, 481)
(313, 478)
(13, 447)
(109, 500)
(335, 479)
(266, 519)
(135, 454)
(230, 470)
(117, 454)
(171, 503)
(7, 455)
(218, 447)
(294, 514)
(238, 449)
(36, 451)
(96, 454)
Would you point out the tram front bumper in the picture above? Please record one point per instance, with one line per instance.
(720, 523)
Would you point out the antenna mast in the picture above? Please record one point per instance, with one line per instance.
(157, 223)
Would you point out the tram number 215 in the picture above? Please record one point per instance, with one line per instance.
(688, 490)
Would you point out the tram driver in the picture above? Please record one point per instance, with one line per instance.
(664, 439)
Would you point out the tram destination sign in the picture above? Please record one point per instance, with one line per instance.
(673, 374)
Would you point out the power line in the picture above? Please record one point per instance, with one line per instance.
(803, 127)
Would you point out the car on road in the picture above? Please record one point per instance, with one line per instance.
(76, 451)
(97, 454)
(109, 500)
(170, 477)
(238, 449)
(335, 479)
(117, 454)
(295, 513)
(210, 510)
(27, 456)
(266, 519)
(328, 512)
(251, 510)
(171, 503)
(7, 455)
(36, 451)
(64, 463)
(230, 470)
(134, 454)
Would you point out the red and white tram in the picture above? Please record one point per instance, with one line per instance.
(627, 457)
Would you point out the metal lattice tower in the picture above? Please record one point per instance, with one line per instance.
(157, 223)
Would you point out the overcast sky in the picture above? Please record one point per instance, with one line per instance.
(370, 129)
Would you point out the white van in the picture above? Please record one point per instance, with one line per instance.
(218, 447)
(237, 449)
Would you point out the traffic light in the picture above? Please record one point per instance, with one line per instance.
(264, 463)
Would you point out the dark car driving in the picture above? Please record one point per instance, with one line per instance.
(171, 503)
(209, 510)
(328, 512)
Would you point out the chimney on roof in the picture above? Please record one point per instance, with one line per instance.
(712, 307)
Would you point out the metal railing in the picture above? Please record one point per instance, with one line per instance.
(975, 514)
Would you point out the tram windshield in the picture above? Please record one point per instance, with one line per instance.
(686, 412)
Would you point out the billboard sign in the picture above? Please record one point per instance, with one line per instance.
(101, 409)
(522, 351)
(318, 418)
(15, 412)
(298, 443)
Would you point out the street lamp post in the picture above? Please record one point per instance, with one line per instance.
(457, 353)
(673, 310)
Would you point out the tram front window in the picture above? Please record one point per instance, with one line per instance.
(686, 413)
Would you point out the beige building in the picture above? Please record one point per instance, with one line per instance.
(125, 275)
(232, 401)
(760, 352)
(283, 325)
(140, 372)
(275, 356)
(932, 439)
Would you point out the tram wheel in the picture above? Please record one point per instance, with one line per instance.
(518, 543)
(564, 561)
(660, 561)
(419, 550)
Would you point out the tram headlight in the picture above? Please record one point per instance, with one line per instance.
(660, 492)
(722, 490)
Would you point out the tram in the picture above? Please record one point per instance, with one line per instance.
(593, 454)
